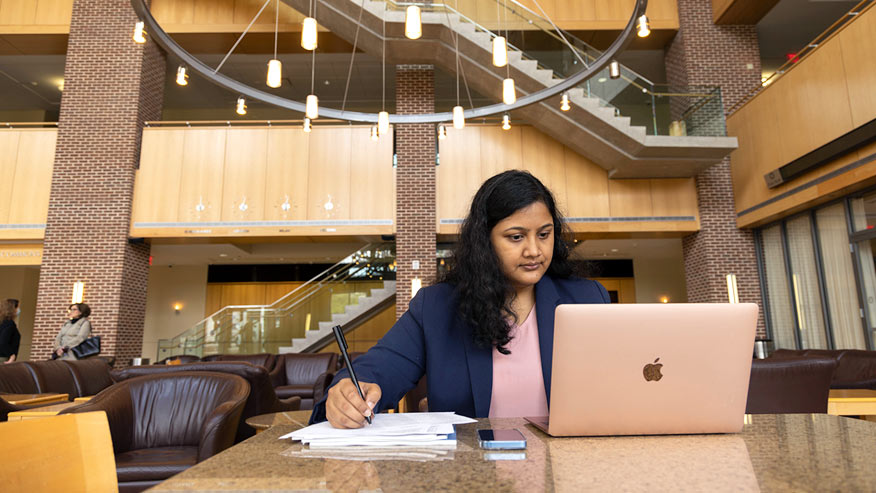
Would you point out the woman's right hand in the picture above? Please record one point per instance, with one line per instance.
(345, 409)
(59, 351)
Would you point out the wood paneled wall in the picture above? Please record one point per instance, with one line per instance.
(594, 203)
(26, 160)
(217, 16)
(35, 16)
(221, 177)
(824, 96)
(221, 294)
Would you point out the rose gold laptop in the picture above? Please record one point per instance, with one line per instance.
(650, 369)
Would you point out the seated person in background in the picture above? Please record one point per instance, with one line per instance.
(10, 338)
(483, 336)
(76, 330)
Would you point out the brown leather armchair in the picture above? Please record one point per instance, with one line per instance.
(306, 375)
(163, 424)
(16, 378)
(262, 398)
(90, 375)
(792, 384)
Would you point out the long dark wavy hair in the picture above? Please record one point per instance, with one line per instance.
(485, 294)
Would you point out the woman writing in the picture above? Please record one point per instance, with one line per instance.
(76, 330)
(484, 336)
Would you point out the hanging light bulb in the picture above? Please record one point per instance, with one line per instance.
(308, 34)
(564, 103)
(442, 132)
(383, 123)
(275, 73)
(500, 51)
(181, 76)
(374, 133)
(241, 106)
(506, 122)
(458, 118)
(643, 27)
(312, 108)
(413, 25)
(614, 70)
(307, 125)
(508, 94)
(139, 35)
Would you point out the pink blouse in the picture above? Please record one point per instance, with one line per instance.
(518, 385)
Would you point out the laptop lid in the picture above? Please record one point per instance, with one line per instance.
(645, 369)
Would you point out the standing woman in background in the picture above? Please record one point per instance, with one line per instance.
(76, 330)
(10, 338)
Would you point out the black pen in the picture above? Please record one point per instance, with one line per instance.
(342, 343)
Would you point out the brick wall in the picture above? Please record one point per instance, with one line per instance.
(415, 182)
(705, 54)
(111, 85)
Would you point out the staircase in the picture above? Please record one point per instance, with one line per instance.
(360, 311)
(337, 296)
(593, 127)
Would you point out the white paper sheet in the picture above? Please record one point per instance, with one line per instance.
(396, 424)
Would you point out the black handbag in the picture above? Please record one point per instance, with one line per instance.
(88, 347)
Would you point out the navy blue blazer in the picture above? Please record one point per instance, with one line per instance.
(431, 339)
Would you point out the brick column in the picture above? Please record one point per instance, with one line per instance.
(111, 85)
(415, 182)
(705, 54)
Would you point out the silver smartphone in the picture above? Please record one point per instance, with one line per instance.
(501, 439)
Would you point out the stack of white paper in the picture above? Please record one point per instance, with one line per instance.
(412, 430)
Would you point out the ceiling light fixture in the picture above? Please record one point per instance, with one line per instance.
(139, 34)
(509, 96)
(308, 126)
(241, 106)
(506, 122)
(614, 70)
(181, 76)
(308, 34)
(564, 103)
(375, 136)
(500, 51)
(458, 118)
(413, 24)
(643, 27)
(442, 132)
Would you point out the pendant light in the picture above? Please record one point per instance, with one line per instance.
(458, 118)
(308, 126)
(614, 70)
(442, 132)
(308, 34)
(275, 73)
(564, 103)
(275, 68)
(241, 106)
(643, 27)
(181, 76)
(500, 51)
(413, 24)
(506, 122)
(139, 35)
(509, 96)
(312, 107)
(375, 136)
(383, 123)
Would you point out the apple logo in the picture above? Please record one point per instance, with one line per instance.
(652, 371)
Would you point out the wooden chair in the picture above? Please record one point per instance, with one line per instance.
(71, 452)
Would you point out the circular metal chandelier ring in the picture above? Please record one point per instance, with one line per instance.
(167, 42)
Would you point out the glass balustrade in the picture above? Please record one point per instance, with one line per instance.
(256, 328)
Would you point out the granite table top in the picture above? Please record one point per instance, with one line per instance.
(789, 452)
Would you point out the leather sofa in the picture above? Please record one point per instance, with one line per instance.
(305, 375)
(266, 360)
(262, 398)
(76, 378)
(856, 369)
(163, 424)
(792, 384)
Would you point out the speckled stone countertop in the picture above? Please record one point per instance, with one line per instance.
(793, 452)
